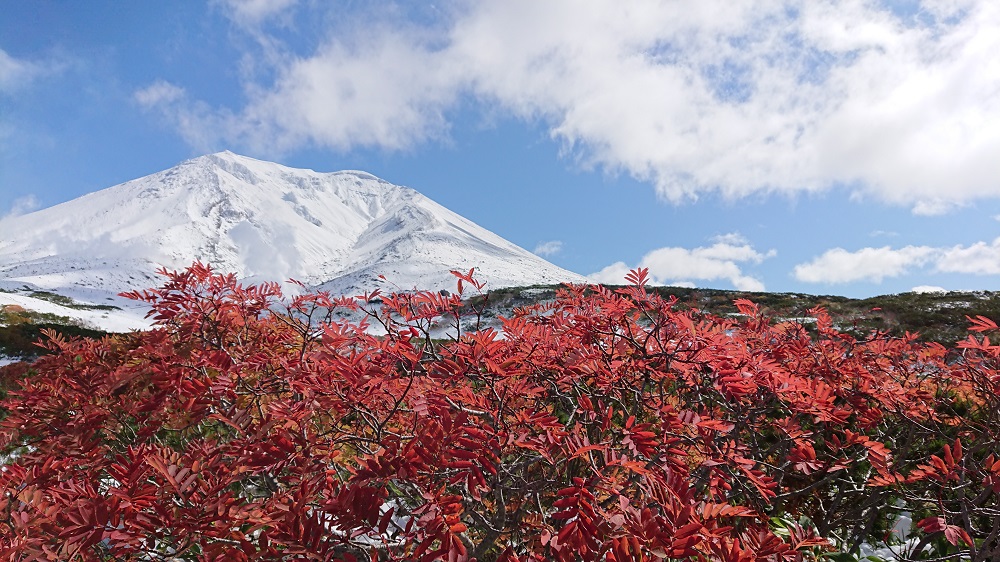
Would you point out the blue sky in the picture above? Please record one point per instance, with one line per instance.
(828, 147)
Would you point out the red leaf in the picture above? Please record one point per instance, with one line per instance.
(716, 425)
(638, 277)
(932, 524)
(981, 324)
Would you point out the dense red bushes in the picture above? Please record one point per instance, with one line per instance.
(605, 426)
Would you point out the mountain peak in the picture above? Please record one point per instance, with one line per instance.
(241, 165)
(231, 156)
(262, 222)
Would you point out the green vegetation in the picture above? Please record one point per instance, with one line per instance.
(63, 300)
(20, 329)
(937, 317)
(19, 340)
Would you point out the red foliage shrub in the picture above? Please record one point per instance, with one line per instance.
(603, 426)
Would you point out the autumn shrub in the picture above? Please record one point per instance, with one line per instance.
(607, 425)
(955, 486)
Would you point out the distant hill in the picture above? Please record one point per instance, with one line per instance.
(939, 317)
(936, 317)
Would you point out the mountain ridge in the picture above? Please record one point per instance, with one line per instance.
(262, 221)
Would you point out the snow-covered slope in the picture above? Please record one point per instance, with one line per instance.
(260, 221)
(123, 317)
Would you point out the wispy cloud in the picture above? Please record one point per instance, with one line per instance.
(17, 74)
(253, 12)
(720, 97)
(158, 93)
(875, 264)
(22, 206)
(682, 266)
(550, 248)
(200, 126)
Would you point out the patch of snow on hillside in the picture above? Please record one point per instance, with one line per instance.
(122, 320)
(928, 289)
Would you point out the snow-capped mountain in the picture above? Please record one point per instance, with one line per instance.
(263, 222)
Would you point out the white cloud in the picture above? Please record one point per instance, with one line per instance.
(158, 93)
(22, 206)
(874, 264)
(13, 72)
(981, 258)
(17, 74)
(613, 274)
(935, 206)
(385, 92)
(201, 127)
(549, 248)
(731, 238)
(254, 11)
(720, 261)
(740, 98)
(868, 264)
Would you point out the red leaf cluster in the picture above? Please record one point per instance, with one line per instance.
(609, 425)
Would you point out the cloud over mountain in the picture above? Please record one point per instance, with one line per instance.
(737, 99)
